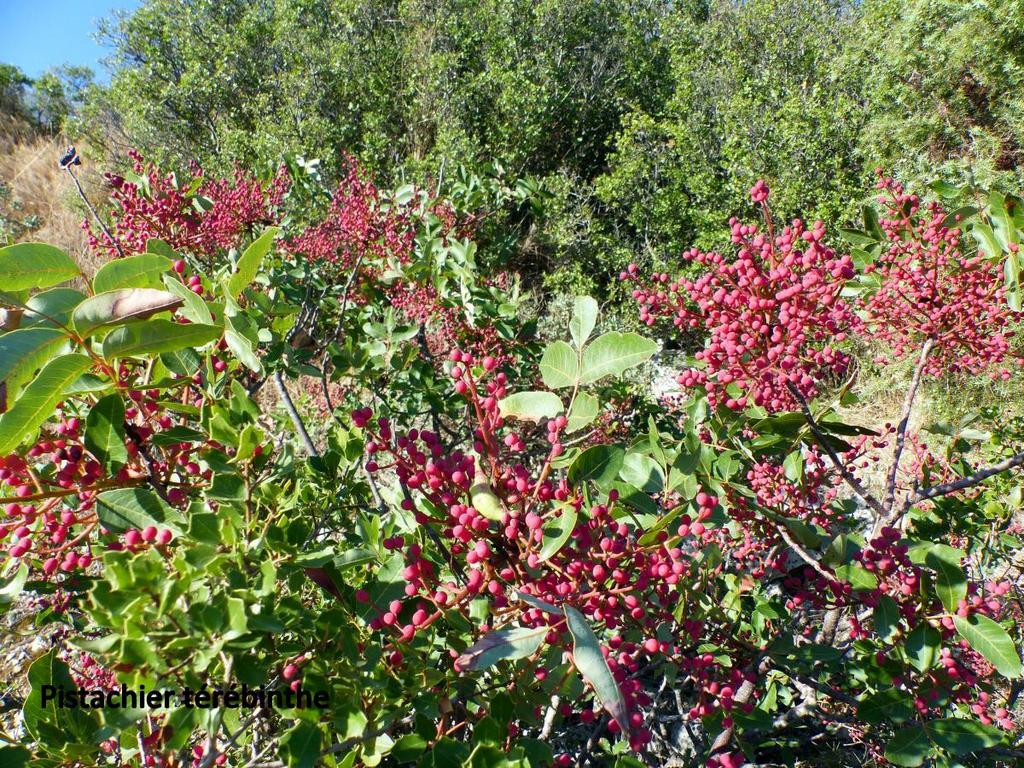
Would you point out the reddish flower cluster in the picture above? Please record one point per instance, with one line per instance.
(930, 290)
(201, 218)
(774, 314)
(358, 227)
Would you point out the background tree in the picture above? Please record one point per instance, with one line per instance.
(942, 81)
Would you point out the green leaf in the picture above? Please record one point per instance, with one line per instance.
(249, 263)
(51, 724)
(300, 745)
(241, 346)
(1011, 273)
(183, 362)
(584, 409)
(11, 587)
(856, 576)
(52, 308)
(14, 757)
(991, 641)
(857, 237)
(193, 308)
(153, 337)
(642, 471)
(178, 434)
(557, 532)
(22, 352)
(105, 435)
(501, 645)
(531, 406)
(584, 318)
(588, 659)
(950, 580)
(803, 533)
(142, 271)
(613, 353)
(599, 464)
(959, 219)
(408, 748)
(483, 498)
(793, 466)
(559, 367)
(963, 736)
(34, 265)
(536, 602)
(922, 646)
(945, 190)
(888, 705)
(126, 508)
(887, 618)
(161, 248)
(39, 400)
(121, 306)
(871, 225)
(908, 747)
(639, 501)
(987, 242)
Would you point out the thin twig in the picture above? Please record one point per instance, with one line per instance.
(965, 482)
(759, 666)
(289, 406)
(99, 221)
(852, 481)
(901, 429)
(803, 554)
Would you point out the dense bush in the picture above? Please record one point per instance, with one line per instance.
(489, 553)
(645, 121)
(384, 426)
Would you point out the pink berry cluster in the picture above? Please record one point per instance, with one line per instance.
(810, 498)
(292, 671)
(774, 314)
(48, 495)
(159, 207)
(626, 588)
(357, 227)
(930, 289)
(135, 539)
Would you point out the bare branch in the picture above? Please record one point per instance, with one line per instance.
(851, 481)
(965, 482)
(289, 406)
(901, 429)
(71, 158)
(803, 553)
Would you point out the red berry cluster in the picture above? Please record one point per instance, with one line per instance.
(603, 569)
(213, 217)
(357, 227)
(931, 290)
(774, 315)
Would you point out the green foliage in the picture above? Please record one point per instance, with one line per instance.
(942, 80)
(537, 86)
(753, 97)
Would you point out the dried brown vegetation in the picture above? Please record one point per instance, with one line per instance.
(39, 192)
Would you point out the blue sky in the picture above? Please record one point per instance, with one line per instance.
(38, 34)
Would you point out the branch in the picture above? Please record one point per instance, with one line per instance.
(802, 553)
(760, 665)
(300, 427)
(901, 430)
(71, 158)
(852, 481)
(964, 482)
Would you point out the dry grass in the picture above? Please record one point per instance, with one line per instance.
(28, 165)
